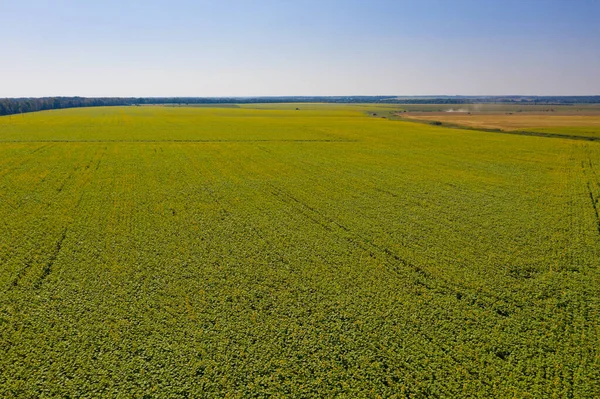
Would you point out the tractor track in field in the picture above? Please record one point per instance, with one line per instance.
(592, 179)
(225, 210)
(47, 269)
(48, 266)
(422, 277)
(392, 259)
(20, 273)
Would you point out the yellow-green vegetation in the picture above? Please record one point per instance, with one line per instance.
(585, 124)
(264, 251)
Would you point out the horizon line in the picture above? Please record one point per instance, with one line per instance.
(320, 96)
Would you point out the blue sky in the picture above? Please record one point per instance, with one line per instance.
(301, 47)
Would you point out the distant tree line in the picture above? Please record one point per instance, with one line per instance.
(9, 106)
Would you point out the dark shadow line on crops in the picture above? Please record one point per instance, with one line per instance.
(47, 269)
(39, 148)
(79, 169)
(594, 206)
(422, 277)
(224, 209)
(513, 132)
(99, 160)
(590, 177)
(184, 141)
(20, 273)
(435, 284)
(58, 246)
(384, 191)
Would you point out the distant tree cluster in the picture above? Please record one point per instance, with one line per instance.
(9, 106)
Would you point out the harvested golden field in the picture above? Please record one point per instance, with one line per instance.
(571, 123)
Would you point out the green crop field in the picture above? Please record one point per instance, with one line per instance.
(264, 251)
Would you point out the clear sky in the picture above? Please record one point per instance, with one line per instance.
(301, 47)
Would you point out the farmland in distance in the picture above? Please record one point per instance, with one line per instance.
(579, 122)
(272, 251)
